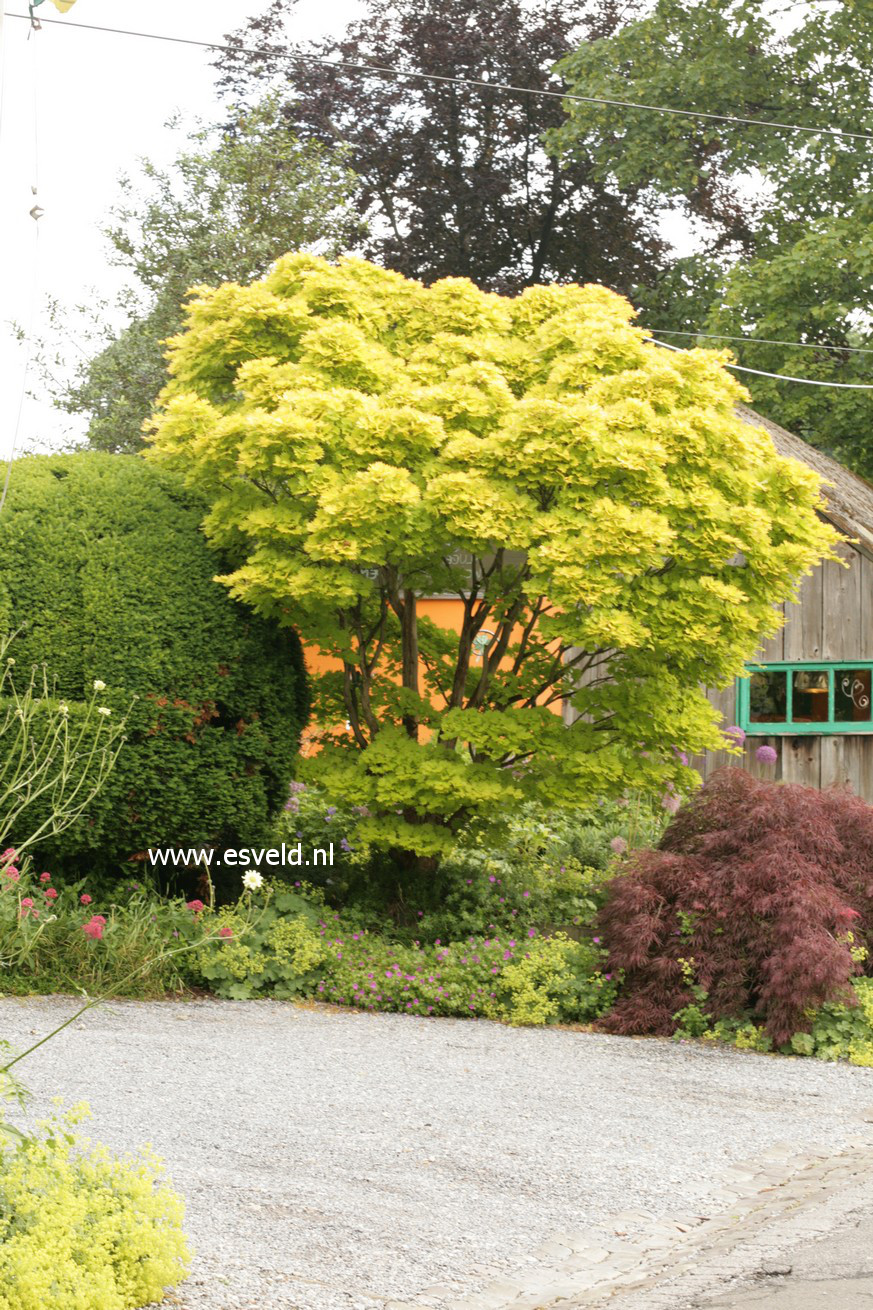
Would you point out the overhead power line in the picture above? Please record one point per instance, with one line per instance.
(416, 75)
(782, 377)
(767, 341)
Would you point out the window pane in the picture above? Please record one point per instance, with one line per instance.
(810, 696)
(768, 696)
(852, 696)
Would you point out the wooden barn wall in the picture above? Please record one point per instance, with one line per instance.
(832, 620)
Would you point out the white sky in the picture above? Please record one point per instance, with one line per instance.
(96, 103)
(101, 102)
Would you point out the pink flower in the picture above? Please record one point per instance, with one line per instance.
(670, 803)
(85, 899)
(225, 931)
(50, 894)
(93, 929)
(27, 903)
(766, 755)
(735, 735)
(13, 875)
(195, 906)
(45, 877)
(618, 845)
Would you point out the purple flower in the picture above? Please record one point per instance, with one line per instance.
(618, 845)
(735, 735)
(766, 754)
(670, 802)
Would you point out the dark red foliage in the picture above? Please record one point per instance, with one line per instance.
(759, 882)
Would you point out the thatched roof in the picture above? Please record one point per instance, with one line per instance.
(849, 498)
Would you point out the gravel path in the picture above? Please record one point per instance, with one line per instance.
(333, 1160)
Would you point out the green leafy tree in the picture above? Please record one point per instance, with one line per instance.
(223, 210)
(366, 441)
(454, 179)
(785, 216)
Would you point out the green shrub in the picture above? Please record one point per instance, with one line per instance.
(82, 1230)
(105, 570)
(549, 870)
(286, 943)
(841, 1032)
(274, 949)
(836, 1031)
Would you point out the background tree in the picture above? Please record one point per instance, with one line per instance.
(225, 209)
(784, 216)
(365, 441)
(454, 179)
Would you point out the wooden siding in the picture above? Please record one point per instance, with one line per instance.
(832, 620)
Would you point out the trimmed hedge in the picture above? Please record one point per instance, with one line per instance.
(105, 571)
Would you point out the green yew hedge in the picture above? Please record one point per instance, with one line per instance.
(106, 575)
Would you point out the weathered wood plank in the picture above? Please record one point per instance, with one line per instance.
(839, 762)
(772, 650)
(841, 607)
(865, 769)
(865, 639)
(724, 699)
(803, 637)
(801, 760)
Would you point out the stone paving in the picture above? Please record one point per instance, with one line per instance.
(834, 1271)
(772, 1204)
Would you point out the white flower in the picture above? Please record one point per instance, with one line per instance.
(102, 709)
(9, 659)
(63, 709)
(252, 881)
(99, 685)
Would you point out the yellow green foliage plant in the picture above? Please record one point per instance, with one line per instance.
(613, 532)
(288, 943)
(81, 1229)
(841, 1032)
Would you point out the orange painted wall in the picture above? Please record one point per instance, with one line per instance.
(448, 613)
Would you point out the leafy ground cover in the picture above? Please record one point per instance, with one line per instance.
(746, 919)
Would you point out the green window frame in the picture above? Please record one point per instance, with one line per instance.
(840, 694)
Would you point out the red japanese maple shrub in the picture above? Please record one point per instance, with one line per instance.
(758, 884)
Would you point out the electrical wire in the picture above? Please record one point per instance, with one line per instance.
(767, 341)
(781, 377)
(506, 86)
(275, 52)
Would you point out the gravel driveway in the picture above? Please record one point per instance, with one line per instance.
(333, 1160)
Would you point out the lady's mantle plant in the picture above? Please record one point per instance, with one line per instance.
(593, 502)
